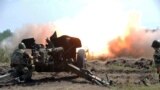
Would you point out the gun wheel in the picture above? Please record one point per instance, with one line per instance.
(81, 58)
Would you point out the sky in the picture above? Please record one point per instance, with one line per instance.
(15, 14)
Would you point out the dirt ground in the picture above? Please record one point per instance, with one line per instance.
(121, 71)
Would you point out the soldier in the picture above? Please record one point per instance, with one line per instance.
(156, 47)
(40, 54)
(21, 62)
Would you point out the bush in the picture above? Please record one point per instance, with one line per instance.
(4, 56)
(5, 34)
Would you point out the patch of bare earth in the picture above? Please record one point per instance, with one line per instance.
(122, 71)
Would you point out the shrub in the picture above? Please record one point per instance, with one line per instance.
(4, 56)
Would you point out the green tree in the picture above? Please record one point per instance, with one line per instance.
(5, 34)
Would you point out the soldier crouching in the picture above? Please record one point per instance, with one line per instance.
(156, 56)
(21, 62)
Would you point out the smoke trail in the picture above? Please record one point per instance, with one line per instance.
(39, 32)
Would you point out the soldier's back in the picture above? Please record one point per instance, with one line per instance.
(17, 56)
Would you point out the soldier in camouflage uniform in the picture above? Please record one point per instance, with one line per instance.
(21, 62)
(156, 56)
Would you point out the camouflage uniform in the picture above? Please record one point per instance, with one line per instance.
(21, 62)
(40, 54)
(43, 55)
(157, 57)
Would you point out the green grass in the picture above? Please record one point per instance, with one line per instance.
(4, 56)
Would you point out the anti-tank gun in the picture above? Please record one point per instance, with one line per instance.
(60, 55)
(56, 54)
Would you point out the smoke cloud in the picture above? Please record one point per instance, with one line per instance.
(136, 44)
(38, 31)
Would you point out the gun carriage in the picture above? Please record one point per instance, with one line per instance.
(59, 55)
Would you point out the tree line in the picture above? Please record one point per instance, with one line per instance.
(5, 34)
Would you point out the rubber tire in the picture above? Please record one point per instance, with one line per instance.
(81, 58)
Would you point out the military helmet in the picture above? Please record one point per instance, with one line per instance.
(156, 44)
(21, 46)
